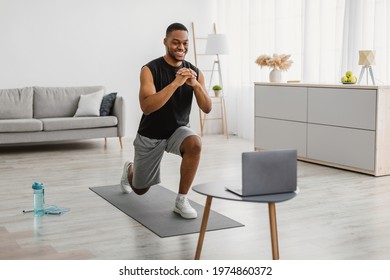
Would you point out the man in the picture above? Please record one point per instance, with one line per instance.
(167, 87)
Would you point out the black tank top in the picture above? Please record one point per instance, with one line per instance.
(176, 112)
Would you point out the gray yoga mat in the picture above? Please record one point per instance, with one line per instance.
(154, 210)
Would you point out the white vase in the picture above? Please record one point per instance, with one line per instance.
(275, 76)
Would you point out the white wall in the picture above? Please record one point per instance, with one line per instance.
(90, 42)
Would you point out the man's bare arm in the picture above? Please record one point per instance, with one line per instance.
(149, 99)
(202, 98)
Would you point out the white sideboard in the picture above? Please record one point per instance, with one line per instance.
(345, 126)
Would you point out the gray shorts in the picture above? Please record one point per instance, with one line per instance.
(149, 152)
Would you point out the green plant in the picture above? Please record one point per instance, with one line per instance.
(217, 87)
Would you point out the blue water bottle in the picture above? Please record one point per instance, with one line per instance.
(39, 199)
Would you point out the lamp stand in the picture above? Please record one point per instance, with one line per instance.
(366, 68)
(216, 62)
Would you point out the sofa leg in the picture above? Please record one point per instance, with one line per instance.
(121, 142)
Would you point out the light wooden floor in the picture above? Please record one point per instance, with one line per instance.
(337, 214)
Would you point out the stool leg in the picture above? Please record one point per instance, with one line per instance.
(224, 120)
(201, 122)
(121, 142)
(203, 227)
(274, 230)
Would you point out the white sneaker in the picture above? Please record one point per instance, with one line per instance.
(183, 207)
(125, 185)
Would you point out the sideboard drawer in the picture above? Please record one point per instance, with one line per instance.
(280, 134)
(344, 146)
(287, 103)
(355, 108)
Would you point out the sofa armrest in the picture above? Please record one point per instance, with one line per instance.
(119, 110)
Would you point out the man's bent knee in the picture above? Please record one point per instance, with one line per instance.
(140, 191)
(130, 178)
(192, 145)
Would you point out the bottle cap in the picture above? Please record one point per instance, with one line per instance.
(37, 186)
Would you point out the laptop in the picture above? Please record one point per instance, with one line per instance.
(268, 172)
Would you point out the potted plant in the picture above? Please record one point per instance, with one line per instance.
(217, 90)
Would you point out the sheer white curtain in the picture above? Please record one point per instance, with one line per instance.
(322, 36)
(366, 27)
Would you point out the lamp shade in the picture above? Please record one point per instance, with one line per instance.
(216, 44)
(367, 57)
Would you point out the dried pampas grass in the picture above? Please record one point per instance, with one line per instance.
(282, 62)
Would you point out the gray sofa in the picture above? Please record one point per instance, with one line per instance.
(46, 114)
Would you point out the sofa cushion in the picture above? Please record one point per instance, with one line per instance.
(52, 124)
(58, 102)
(89, 104)
(20, 125)
(16, 103)
(107, 104)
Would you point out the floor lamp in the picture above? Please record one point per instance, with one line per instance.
(217, 45)
(366, 59)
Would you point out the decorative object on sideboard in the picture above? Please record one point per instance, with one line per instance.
(275, 76)
(366, 59)
(217, 90)
(277, 62)
(348, 78)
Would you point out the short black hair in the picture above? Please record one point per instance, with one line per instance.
(175, 26)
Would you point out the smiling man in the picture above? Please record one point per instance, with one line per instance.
(167, 87)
